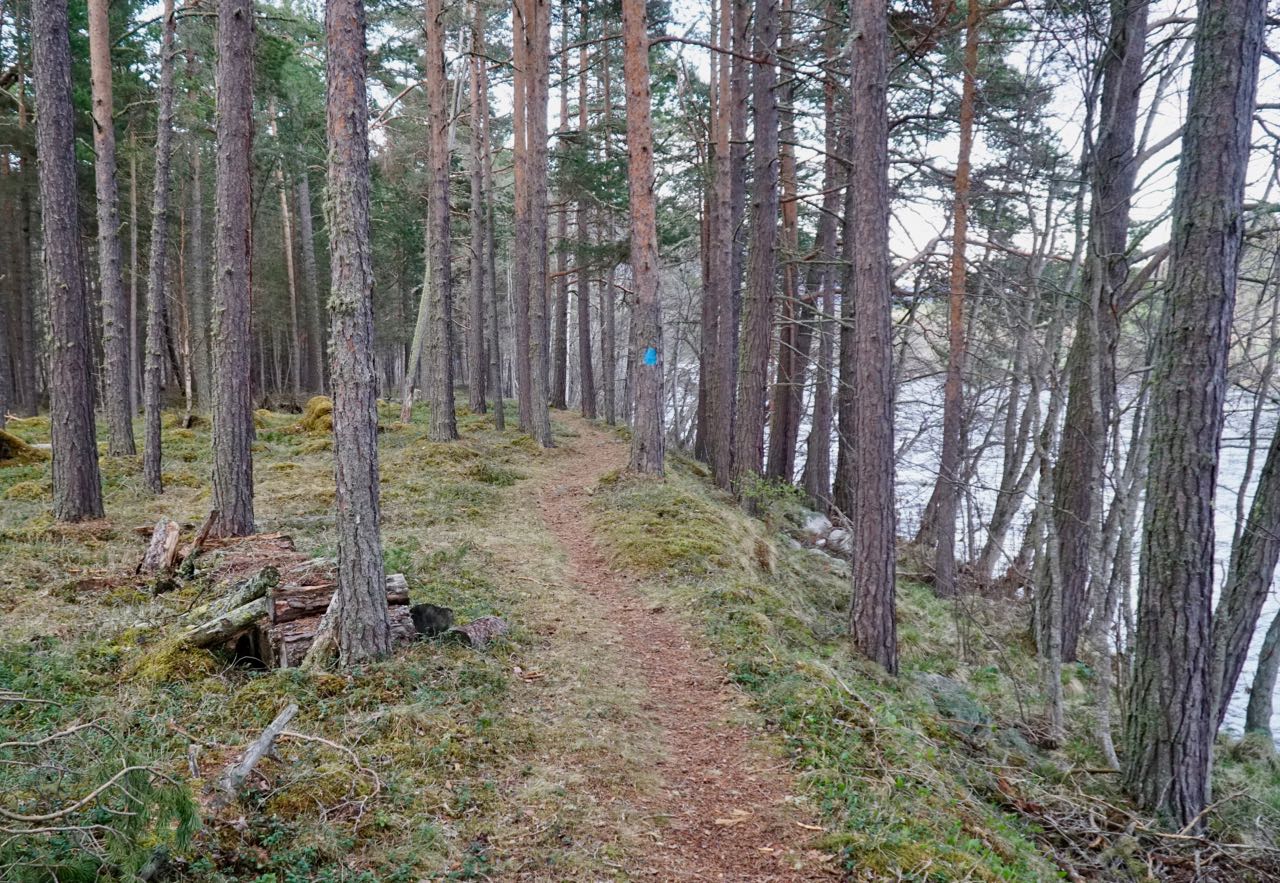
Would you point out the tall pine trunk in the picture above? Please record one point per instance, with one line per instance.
(1078, 478)
(586, 371)
(758, 310)
(233, 431)
(442, 421)
(872, 514)
(476, 362)
(647, 435)
(157, 277)
(115, 309)
(77, 483)
(313, 302)
(536, 94)
(1168, 730)
(361, 623)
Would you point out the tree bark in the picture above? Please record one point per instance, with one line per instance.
(647, 435)
(560, 313)
(115, 309)
(296, 342)
(442, 421)
(1169, 721)
(77, 484)
(360, 604)
(753, 370)
(520, 289)
(157, 276)
(200, 344)
(233, 431)
(872, 514)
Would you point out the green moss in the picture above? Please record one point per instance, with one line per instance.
(30, 491)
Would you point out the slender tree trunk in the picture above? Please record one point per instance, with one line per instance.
(156, 277)
(647, 435)
(947, 490)
(585, 368)
(795, 328)
(233, 431)
(1078, 478)
(136, 356)
(359, 607)
(77, 484)
(115, 310)
(560, 314)
(753, 371)
(1169, 730)
(491, 276)
(315, 309)
(1258, 713)
(872, 515)
(522, 25)
(475, 333)
(817, 467)
(200, 346)
(296, 342)
(536, 93)
(1249, 578)
(443, 422)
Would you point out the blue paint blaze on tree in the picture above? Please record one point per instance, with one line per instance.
(651, 356)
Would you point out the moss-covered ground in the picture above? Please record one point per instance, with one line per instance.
(447, 764)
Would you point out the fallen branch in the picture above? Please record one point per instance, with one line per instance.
(233, 777)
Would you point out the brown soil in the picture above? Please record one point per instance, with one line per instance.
(725, 809)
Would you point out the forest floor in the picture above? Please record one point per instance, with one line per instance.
(675, 701)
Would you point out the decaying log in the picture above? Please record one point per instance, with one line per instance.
(479, 632)
(162, 551)
(233, 777)
(288, 603)
(225, 627)
(251, 589)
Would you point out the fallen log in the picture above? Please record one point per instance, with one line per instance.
(233, 777)
(480, 632)
(226, 626)
(251, 589)
(288, 603)
(162, 551)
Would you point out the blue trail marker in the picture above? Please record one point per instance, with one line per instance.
(651, 356)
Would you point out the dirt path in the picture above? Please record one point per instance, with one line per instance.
(723, 811)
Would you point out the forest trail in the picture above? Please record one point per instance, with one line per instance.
(725, 804)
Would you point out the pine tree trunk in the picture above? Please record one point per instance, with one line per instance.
(520, 287)
(157, 275)
(115, 309)
(816, 479)
(233, 431)
(947, 490)
(77, 484)
(1257, 718)
(296, 343)
(312, 300)
(758, 310)
(536, 91)
(647, 435)
(560, 314)
(476, 361)
(490, 259)
(200, 344)
(359, 607)
(136, 356)
(872, 513)
(1169, 732)
(442, 420)
(1078, 478)
(586, 370)
(720, 327)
